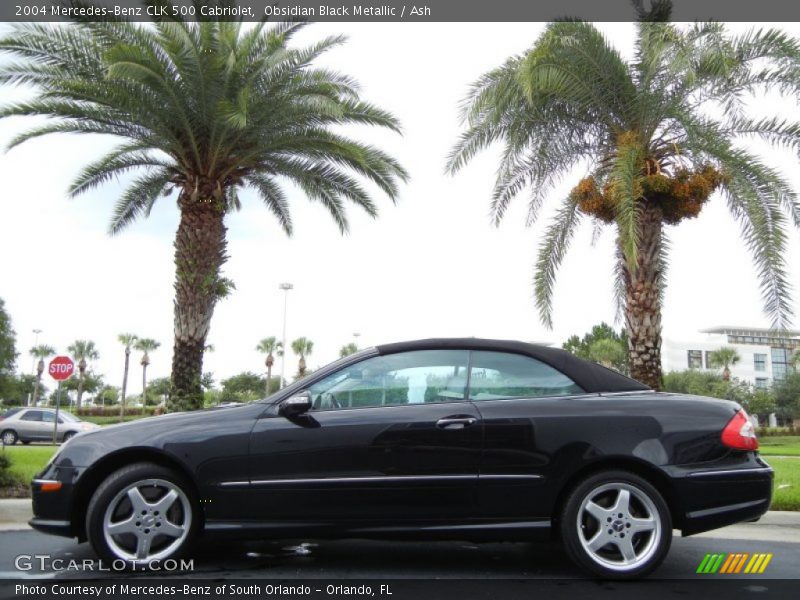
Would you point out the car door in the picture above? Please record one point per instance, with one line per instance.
(31, 426)
(521, 402)
(388, 437)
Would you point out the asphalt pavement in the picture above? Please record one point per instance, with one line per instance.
(367, 559)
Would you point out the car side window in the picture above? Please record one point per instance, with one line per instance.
(31, 415)
(422, 376)
(498, 375)
(49, 417)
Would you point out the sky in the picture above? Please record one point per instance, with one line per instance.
(432, 265)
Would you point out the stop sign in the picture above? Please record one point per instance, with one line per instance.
(61, 368)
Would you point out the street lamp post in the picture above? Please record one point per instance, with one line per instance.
(285, 287)
(356, 335)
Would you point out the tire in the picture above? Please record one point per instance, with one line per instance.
(25, 442)
(67, 437)
(152, 531)
(9, 437)
(627, 513)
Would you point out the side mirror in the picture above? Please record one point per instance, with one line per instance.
(295, 405)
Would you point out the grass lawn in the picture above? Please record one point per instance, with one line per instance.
(27, 461)
(786, 490)
(779, 445)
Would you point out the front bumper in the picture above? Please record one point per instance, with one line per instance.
(52, 508)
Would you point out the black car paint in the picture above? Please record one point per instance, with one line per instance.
(390, 471)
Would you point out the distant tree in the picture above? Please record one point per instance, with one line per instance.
(703, 383)
(723, 359)
(347, 350)
(581, 346)
(207, 381)
(145, 345)
(242, 387)
(607, 352)
(267, 346)
(158, 388)
(41, 352)
(302, 347)
(82, 351)
(20, 389)
(8, 353)
(127, 340)
(109, 394)
(787, 395)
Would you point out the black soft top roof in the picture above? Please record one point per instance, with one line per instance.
(593, 378)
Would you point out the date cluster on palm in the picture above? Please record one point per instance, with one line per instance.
(680, 195)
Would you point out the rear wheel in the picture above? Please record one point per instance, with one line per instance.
(615, 524)
(142, 513)
(9, 437)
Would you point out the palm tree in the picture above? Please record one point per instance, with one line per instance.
(347, 350)
(127, 340)
(267, 346)
(41, 352)
(145, 346)
(724, 358)
(82, 351)
(202, 110)
(653, 152)
(302, 347)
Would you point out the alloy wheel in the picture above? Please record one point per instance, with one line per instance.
(619, 526)
(147, 520)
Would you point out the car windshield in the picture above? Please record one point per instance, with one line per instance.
(68, 417)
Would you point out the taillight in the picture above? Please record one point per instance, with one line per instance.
(739, 433)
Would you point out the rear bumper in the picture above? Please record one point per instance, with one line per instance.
(721, 497)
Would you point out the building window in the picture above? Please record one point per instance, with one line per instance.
(709, 362)
(695, 359)
(760, 362)
(781, 359)
(761, 383)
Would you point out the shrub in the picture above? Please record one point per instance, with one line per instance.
(7, 478)
(111, 411)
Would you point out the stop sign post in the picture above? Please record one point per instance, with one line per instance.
(60, 369)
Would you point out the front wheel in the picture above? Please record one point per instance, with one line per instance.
(141, 513)
(616, 525)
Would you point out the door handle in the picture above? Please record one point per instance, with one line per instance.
(455, 422)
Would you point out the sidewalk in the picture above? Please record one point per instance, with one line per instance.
(14, 513)
(775, 526)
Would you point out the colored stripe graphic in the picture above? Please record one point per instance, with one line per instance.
(724, 563)
(765, 563)
(741, 562)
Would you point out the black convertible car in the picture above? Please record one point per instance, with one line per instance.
(444, 439)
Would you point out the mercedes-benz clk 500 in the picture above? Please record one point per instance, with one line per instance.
(432, 439)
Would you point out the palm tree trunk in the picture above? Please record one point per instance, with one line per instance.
(643, 299)
(80, 390)
(36, 390)
(144, 390)
(124, 384)
(269, 376)
(199, 254)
